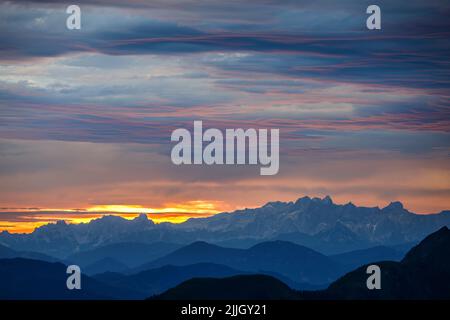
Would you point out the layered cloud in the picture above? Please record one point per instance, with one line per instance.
(86, 115)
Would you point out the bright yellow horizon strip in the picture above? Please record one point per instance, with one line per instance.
(174, 213)
(189, 207)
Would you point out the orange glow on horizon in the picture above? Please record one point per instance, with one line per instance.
(32, 218)
(197, 206)
(172, 212)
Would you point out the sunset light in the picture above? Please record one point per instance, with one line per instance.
(173, 212)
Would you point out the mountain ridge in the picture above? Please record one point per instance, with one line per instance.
(305, 265)
(317, 223)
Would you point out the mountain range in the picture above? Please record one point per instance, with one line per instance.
(266, 272)
(295, 265)
(319, 224)
(311, 245)
(120, 257)
(424, 273)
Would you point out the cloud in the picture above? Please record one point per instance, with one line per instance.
(86, 115)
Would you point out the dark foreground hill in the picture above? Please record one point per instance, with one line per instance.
(244, 287)
(424, 273)
(26, 279)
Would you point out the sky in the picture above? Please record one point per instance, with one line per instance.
(86, 115)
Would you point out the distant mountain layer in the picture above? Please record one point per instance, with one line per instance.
(104, 265)
(121, 256)
(354, 259)
(154, 281)
(8, 253)
(297, 266)
(293, 261)
(316, 223)
(424, 273)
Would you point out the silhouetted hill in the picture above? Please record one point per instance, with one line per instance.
(296, 262)
(39, 280)
(105, 265)
(424, 273)
(357, 258)
(243, 287)
(8, 253)
(157, 280)
(131, 254)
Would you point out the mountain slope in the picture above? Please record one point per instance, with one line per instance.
(357, 258)
(130, 254)
(424, 273)
(8, 253)
(105, 265)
